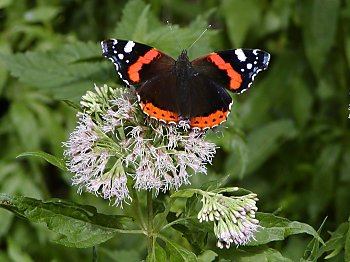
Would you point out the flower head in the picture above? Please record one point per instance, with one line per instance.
(115, 146)
(233, 217)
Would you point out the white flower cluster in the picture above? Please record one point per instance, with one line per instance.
(115, 142)
(233, 217)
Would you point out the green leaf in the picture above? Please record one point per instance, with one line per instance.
(134, 22)
(6, 221)
(207, 256)
(188, 224)
(240, 23)
(159, 254)
(72, 104)
(16, 253)
(139, 23)
(347, 243)
(347, 47)
(105, 253)
(49, 158)
(163, 39)
(77, 225)
(187, 193)
(64, 72)
(302, 102)
(25, 123)
(5, 3)
(41, 14)
(269, 137)
(264, 254)
(336, 243)
(264, 98)
(320, 20)
(324, 179)
(278, 228)
(178, 253)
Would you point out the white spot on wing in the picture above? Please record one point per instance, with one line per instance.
(121, 56)
(240, 55)
(249, 66)
(128, 47)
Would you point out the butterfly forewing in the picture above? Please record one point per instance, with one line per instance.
(234, 69)
(135, 62)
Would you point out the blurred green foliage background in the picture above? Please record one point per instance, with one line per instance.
(287, 138)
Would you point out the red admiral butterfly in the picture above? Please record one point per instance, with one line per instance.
(179, 90)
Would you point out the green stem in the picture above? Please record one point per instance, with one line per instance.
(177, 222)
(138, 211)
(131, 231)
(94, 254)
(150, 222)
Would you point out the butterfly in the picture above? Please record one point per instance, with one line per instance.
(183, 91)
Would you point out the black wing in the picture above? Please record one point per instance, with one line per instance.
(136, 63)
(233, 69)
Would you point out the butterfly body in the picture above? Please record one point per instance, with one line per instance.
(193, 92)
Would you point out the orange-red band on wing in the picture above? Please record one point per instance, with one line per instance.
(235, 78)
(209, 121)
(147, 58)
(160, 114)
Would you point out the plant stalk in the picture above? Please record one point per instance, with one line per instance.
(150, 229)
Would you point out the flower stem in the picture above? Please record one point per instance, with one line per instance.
(150, 223)
(138, 212)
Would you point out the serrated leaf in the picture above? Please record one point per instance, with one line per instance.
(77, 226)
(164, 39)
(178, 253)
(64, 73)
(278, 228)
(134, 22)
(139, 24)
(319, 30)
(48, 157)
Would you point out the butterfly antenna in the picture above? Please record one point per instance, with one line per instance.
(199, 37)
(172, 31)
